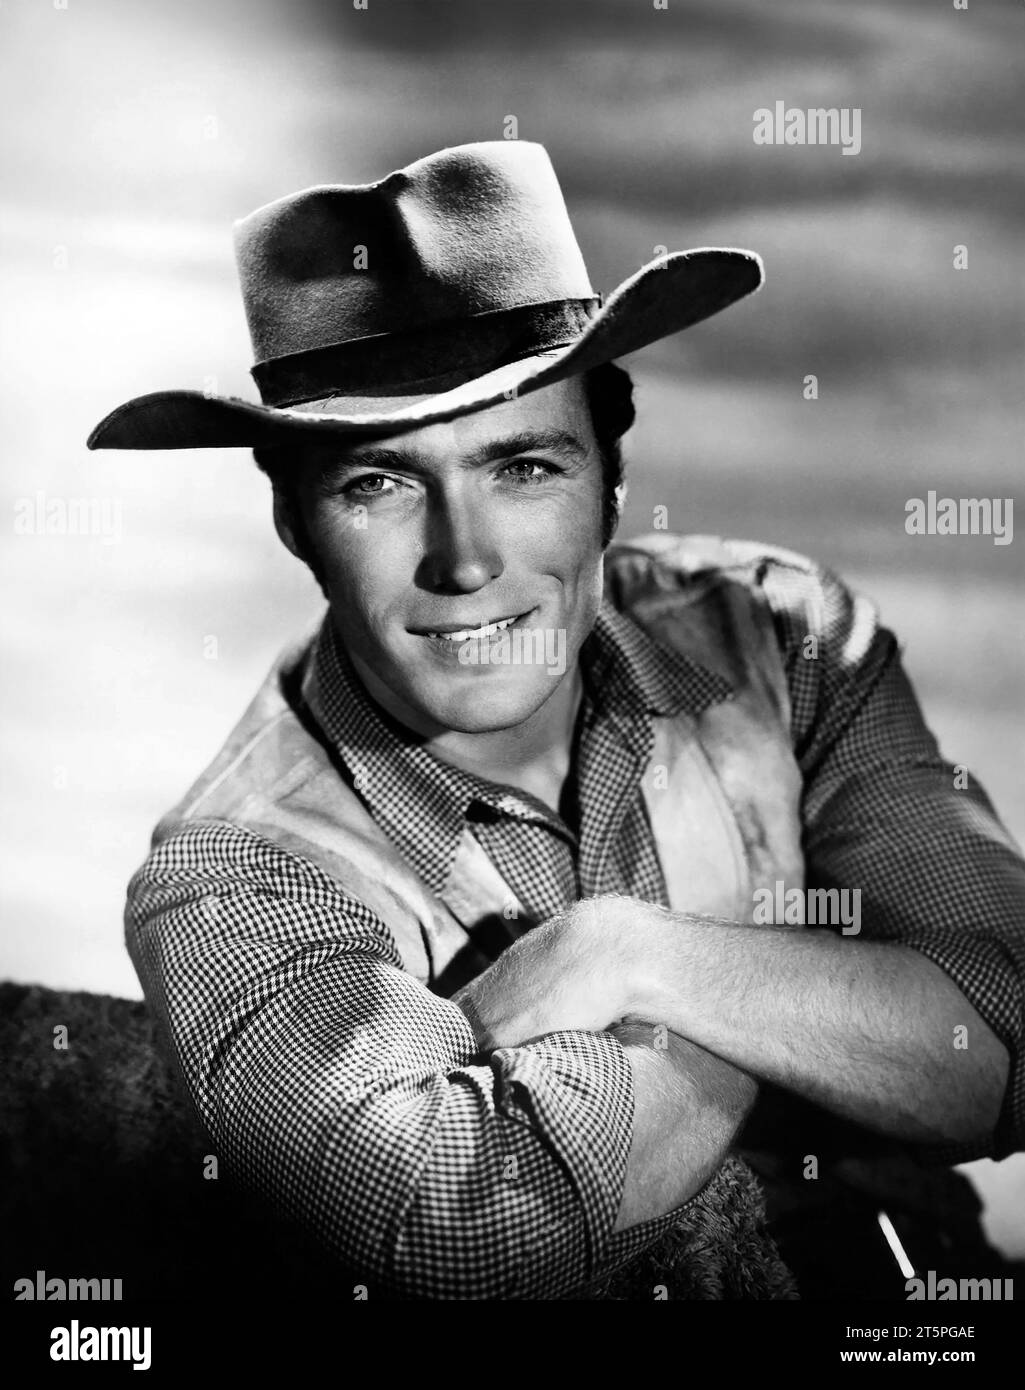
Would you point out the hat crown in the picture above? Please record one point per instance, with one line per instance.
(469, 230)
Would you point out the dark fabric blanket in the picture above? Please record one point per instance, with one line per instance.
(102, 1165)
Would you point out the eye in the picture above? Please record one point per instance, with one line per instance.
(535, 470)
(370, 485)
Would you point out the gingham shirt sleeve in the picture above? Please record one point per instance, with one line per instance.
(886, 813)
(349, 1096)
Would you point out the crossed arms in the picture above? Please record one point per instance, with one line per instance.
(366, 1108)
(865, 1029)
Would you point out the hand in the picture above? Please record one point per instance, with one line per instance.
(573, 971)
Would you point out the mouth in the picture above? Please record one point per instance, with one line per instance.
(469, 634)
(449, 637)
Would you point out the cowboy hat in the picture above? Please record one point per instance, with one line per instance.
(448, 286)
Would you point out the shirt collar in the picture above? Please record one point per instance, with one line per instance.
(422, 803)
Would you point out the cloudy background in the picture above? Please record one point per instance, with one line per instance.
(134, 133)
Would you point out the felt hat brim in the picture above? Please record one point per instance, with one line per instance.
(662, 298)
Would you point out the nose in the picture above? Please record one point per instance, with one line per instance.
(462, 553)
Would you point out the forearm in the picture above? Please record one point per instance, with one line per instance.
(870, 1030)
(688, 1107)
(688, 1104)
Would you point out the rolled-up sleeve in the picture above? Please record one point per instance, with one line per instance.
(886, 813)
(349, 1096)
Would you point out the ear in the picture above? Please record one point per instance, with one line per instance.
(283, 524)
(620, 495)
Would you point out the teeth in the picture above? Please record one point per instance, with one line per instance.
(470, 633)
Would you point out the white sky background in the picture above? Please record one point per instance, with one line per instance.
(132, 135)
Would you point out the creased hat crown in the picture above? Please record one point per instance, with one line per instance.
(465, 231)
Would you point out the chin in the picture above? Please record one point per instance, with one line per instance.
(485, 706)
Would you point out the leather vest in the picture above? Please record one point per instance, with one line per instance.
(722, 788)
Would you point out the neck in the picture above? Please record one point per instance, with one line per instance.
(534, 756)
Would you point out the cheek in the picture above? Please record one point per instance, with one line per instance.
(367, 565)
(570, 540)
(562, 530)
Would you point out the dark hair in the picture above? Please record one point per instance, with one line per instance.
(609, 390)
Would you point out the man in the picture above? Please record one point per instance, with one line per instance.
(461, 940)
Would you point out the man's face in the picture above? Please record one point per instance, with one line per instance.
(491, 517)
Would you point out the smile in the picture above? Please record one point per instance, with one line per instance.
(471, 634)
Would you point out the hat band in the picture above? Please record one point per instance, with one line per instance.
(458, 350)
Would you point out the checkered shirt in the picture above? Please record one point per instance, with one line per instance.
(353, 1098)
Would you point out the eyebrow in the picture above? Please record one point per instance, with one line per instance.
(524, 442)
